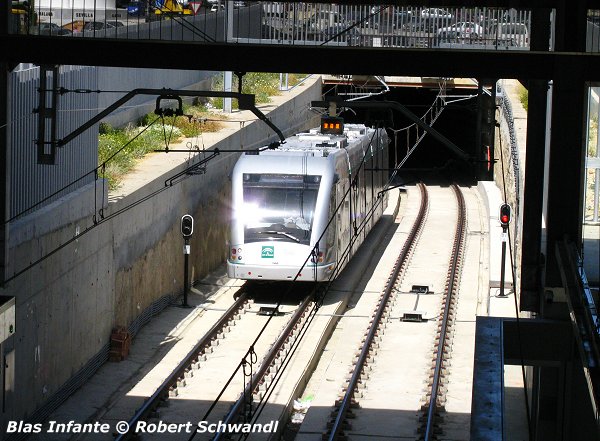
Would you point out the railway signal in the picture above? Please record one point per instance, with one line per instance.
(187, 229)
(187, 225)
(504, 221)
(504, 216)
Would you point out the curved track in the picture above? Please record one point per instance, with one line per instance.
(252, 383)
(366, 408)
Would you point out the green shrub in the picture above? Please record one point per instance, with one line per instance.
(262, 85)
(104, 128)
(523, 96)
(119, 151)
(593, 136)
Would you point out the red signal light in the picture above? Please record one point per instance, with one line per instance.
(504, 215)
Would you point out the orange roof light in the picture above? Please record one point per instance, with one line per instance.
(332, 125)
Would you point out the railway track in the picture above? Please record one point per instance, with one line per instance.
(195, 390)
(194, 393)
(169, 387)
(378, 318)
(377, 396)
(435, 400)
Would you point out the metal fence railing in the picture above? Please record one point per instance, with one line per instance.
(296, 23)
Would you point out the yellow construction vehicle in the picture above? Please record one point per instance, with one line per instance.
(22, 17)
(167, 8)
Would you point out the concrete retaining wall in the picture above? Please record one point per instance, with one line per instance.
(68, 304)
(132, 78)
(505, 173)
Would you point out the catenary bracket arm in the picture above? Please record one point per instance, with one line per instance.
(245, 101)
(403, 110)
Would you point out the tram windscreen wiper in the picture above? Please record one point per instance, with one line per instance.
(280, 233)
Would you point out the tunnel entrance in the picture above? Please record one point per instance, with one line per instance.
(430, 160)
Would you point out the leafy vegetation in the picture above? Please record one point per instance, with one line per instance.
(523, 96)
(119, 149)
(593, 136)
(262, 85)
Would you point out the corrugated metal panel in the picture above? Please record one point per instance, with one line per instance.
(126, 79)
(32, 182)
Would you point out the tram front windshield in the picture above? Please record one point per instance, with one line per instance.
(279, 207)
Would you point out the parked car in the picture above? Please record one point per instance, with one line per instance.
(98, 25)
(340, 33)
(137, 9)
(512, 34)
(413, 25)
(463, 29)
(403, 16)
(215, 7)
(436, 13)
(323, 20)
(449, 36)
(75, 26)
(44, 28)
(389, 18)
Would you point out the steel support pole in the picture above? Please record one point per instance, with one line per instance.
(567, 145)
(186, 279)
(4, 169)
(5, 16)
(502, 263)
(533, 188)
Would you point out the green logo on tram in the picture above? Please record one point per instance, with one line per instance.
(268, 252)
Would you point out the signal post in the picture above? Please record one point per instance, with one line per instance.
(504, 222)
(187, 229)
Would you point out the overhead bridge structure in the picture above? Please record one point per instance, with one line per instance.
(551, 46)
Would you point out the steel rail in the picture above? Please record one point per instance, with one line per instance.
(389, 289)
(151, 403)
(265, 365)
(451, 285)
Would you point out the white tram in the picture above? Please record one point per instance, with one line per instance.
(284, 199)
